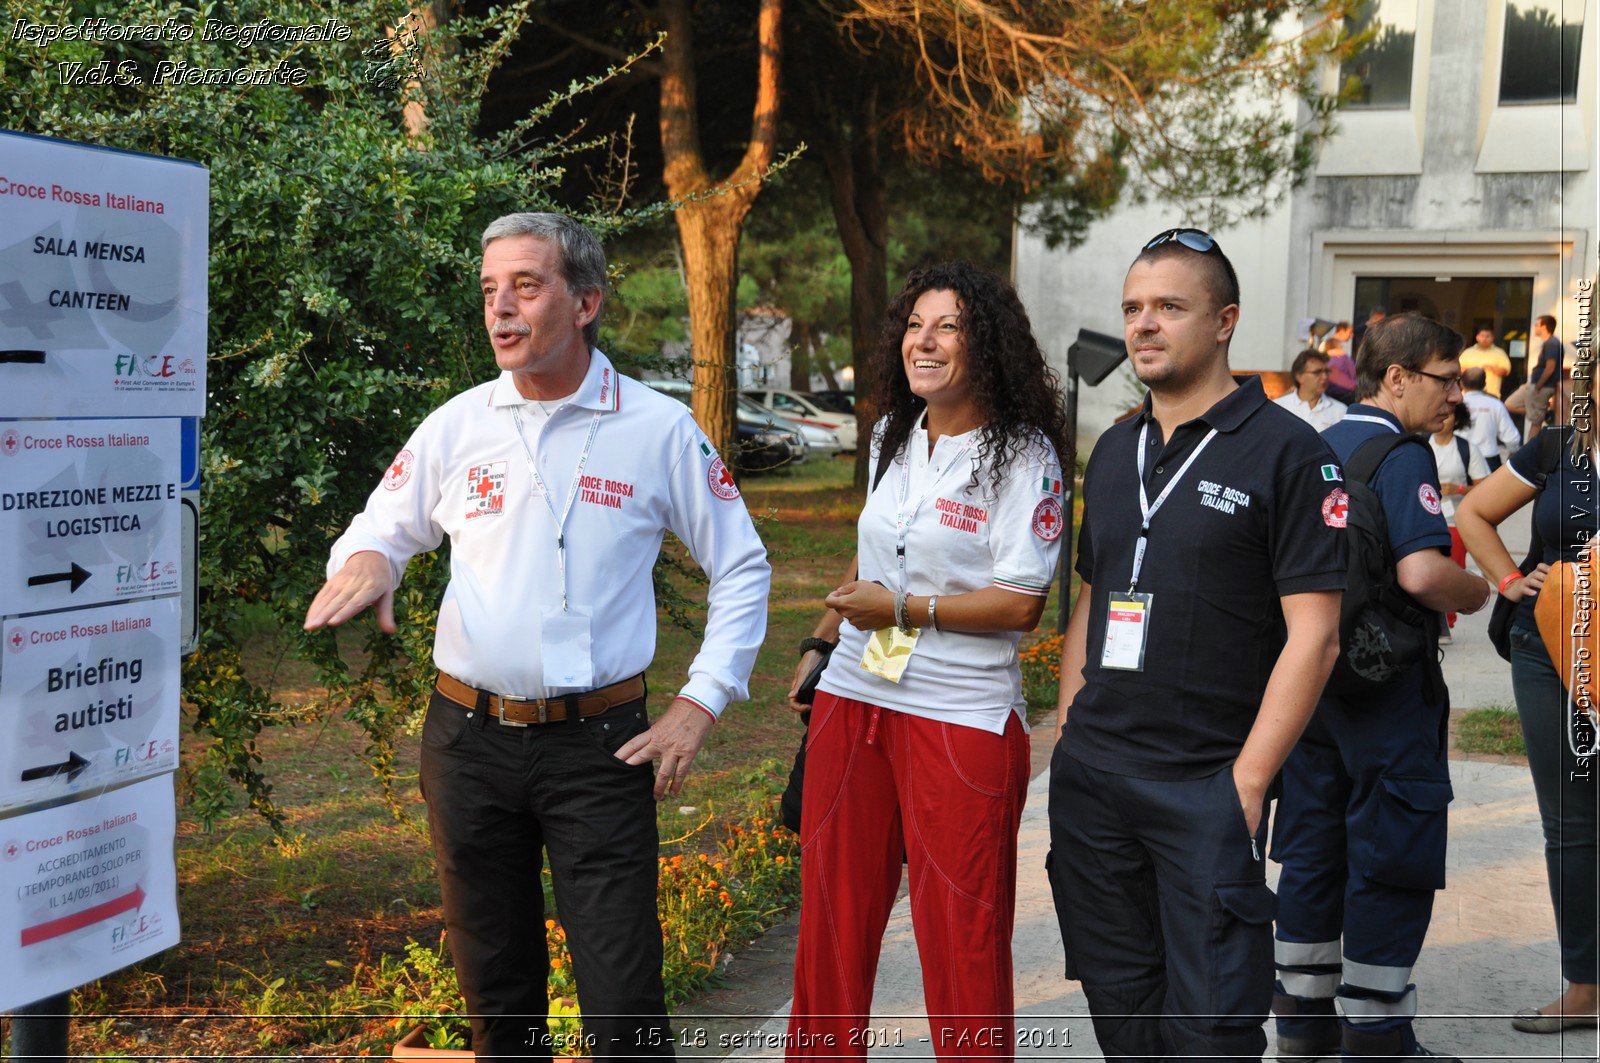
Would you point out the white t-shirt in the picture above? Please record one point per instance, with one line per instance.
(1326, 412)
(1448, 458)
(465, 473)
(962, 538)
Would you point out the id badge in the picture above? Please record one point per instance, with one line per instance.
(1127, 627)
(888, 652)
(566, 649)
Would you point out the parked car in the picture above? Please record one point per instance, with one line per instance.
(820, 437)
(806, 408)
(837, 400)
(762, 446)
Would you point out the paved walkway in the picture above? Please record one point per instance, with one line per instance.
(1490, 950)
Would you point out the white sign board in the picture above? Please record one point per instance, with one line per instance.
(89, 512)
(86, 889)
(103, 260)
(88, 698)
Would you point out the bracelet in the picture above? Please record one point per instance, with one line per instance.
(1510, 579)
(933, 617)
(821, 645)
(902, 618)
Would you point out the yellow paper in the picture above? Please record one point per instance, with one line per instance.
(888, 652)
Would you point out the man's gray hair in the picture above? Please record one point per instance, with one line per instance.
(583, 260)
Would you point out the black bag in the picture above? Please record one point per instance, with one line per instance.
(789, 803)
(1383, 631)
(1551, 441)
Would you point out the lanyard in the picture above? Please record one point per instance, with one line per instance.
(903, 519)
(1146, 510)
(572, 493)
(1366, 419)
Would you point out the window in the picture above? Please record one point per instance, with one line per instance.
(1380, 73)
(1539, 63)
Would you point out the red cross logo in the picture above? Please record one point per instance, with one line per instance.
(721, 480)
(485, 486)
(8, 443)
(1336, 509)
(1047, 520)
(16, 641)
(399, 472)
(12, 850)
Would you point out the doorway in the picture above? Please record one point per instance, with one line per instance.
(1465, 304)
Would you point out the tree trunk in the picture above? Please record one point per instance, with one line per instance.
(861, 210)
(709, 231)
(800, 346)
(709, 224)
(413, 46)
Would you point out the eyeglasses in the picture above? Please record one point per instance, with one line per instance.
(1194, 239)
(1451, 383)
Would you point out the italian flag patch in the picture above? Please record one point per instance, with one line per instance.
(1051, 486)
(1332, 473)
(705, 449)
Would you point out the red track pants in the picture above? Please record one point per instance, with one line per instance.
(881, 786)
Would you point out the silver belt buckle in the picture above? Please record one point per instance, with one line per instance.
(521, 701)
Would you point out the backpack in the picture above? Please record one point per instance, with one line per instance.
(1383, 631)
(1551, 440)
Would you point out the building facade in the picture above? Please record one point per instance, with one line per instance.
(1461, 184)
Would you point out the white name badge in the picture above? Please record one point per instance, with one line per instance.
(1127, 623)
(567, 651)
(888, 652)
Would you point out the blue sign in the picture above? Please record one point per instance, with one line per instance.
(189, 459)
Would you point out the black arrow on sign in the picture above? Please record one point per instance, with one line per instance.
(72, 767)
(76, 576)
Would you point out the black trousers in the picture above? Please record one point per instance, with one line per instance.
(1165, 913)
(498, 798)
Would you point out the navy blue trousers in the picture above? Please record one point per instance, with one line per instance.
(1165, 913)
(1360, 831)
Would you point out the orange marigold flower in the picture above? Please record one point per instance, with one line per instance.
(557, 963)
(549, 924)
(777, 859)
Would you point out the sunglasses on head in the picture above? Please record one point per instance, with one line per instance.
(1194, 239)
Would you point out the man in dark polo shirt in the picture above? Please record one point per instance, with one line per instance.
(1360, 829)
(1541, 386)
(1181, 697)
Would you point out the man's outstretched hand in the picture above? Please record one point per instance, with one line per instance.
(364, 579)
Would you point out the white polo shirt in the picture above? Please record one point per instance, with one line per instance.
(464, 473)
(962, 538)
(1326, 411)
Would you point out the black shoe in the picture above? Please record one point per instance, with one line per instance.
(1308, 1049)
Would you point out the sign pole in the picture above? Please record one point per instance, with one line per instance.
(39, 1030)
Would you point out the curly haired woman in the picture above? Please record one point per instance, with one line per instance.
(918, 750)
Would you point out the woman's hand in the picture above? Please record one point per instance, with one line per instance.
(808, 661)
(1528, 585)
(867, 605)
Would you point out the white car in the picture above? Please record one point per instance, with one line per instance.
(819, 437)
(763, 444)
(803, 407)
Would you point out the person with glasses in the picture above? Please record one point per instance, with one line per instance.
(1309, 401)
(1204, 628)
(1360, 826)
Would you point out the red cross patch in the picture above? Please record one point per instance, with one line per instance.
(1428, 495)
(8, 443)
(721, 480)
(486, 489)
(399, 471)
(1336, 509)
(16, 640)
(1047, 522)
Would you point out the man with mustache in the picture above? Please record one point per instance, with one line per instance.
(555, 483)
(1360, 828)
(1204, 628)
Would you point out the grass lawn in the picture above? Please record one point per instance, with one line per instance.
(277, 942)
(1494, 730)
